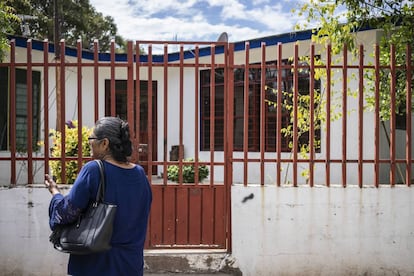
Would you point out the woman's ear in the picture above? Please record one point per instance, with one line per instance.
(105, 143)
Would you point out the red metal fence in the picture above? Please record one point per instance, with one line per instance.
(235, 134)
(393, 73)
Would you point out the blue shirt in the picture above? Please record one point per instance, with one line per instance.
(129, 189)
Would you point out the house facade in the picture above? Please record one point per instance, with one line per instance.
(264, 208)
(92, 80)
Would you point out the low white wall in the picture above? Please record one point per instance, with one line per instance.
(323, 231)
(275, 231)
(24, 234)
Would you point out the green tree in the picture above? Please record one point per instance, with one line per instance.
(7, 17)
(77, 20)
(336, 23)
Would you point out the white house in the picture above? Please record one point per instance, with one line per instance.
(90, 80)
(251, 222)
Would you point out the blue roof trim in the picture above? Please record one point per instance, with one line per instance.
(206, 51)
(274, 40)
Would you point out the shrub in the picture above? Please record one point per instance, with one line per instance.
(71, 149)
(188, 172)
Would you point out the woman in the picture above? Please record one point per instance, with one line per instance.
(126, 186)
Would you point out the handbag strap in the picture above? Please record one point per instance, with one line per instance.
(100, 195)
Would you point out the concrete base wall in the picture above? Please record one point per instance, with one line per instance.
(323, 231)
(24, 234)
(275, 231)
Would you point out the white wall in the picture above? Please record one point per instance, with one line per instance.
(280, 231)
(24, 234)
(323, 231)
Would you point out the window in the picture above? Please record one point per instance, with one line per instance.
(254, 108)
(21, 109)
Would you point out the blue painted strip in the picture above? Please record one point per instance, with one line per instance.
(204, 51)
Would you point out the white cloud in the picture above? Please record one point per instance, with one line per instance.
(259, 2)
(167, 19)
(233, 9)
(150, 7)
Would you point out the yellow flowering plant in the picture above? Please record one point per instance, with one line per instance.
(71, 149)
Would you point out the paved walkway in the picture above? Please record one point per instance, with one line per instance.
(178, 274)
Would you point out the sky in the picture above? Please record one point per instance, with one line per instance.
(199, 20)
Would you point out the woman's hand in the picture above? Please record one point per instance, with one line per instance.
(51, 185)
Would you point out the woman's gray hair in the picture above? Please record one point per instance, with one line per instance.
(116, 131)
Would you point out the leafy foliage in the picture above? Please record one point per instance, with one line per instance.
(7, 17)
(305, 99)
(336, 23)
(188, 171)
(78, 20)
(71, 149)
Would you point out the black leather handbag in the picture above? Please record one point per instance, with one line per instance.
(92, 232)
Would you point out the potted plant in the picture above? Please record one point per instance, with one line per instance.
(188, 172)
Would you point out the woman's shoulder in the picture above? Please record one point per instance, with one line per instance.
(91, 165)
(138, 167)
(125, 168)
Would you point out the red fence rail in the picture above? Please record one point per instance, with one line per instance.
(229, 64)
(357, 125)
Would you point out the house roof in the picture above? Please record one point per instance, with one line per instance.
(238, 46)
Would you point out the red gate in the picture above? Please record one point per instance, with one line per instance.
(184, 215)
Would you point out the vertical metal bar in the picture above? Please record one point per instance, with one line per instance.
(63, 109)
(393, 72)
(312, 115)
(130, 88)
(59, 124)
(361, 116)
(228, 169)
(113, 94)
(295, 115)
(196, 115)
(165, 113)
(165, 140)
(279, 115)
(328, 114)
(212, 111)
(149, 114)
(344, 111)
(130, 94)
(29, 115)
(96, 78)
(262, 114)
(408, 134)
(13, 112)
(377, 108)
(181, 115)
(138, 97)
(246, 115)
(80, 119)
(214, 212)
(225, 134)
(46, 104)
